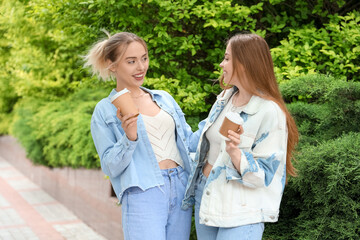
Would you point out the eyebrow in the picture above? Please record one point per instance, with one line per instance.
(135, 57)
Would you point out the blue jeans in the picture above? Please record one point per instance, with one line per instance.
(203, 232)
(156, 213)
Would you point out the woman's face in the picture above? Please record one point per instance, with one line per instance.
(230, 76)
(131, 69)
(227, 66)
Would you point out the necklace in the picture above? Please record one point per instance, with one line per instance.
(233, 100)
(140, 95)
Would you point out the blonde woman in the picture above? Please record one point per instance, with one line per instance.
(146, 157)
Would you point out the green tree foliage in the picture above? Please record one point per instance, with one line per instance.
(43, 40)
(332, 49)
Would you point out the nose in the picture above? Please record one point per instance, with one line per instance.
(141, 65)
(222, 64)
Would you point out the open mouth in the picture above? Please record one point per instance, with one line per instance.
(139, 76)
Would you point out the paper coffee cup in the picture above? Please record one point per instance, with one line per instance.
(124, 101)
(232, 121)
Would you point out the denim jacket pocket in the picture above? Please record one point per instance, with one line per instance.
(115, 124)
(112, 120)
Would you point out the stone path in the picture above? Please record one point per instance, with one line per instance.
(29, 213)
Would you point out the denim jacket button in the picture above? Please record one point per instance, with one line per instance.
(208, 193)
(213, 171)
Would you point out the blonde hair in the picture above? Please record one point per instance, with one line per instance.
(253, 53)
(105, 53)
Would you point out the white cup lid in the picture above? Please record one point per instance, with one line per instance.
(125, 90)
(235, 118)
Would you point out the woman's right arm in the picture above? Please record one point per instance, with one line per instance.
(113, 146)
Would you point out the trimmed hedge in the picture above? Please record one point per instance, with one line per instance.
(323, 202)
(324, 107)
(57, 133)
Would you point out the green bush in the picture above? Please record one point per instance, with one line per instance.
(57, 133)
(44, 39)
(22, 128)
(324, 107)
(323, 201)
(332, 49)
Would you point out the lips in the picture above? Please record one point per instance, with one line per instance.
(139, 76)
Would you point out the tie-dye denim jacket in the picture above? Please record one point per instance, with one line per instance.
(231, 198)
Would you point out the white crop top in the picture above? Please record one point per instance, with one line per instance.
(161, 132)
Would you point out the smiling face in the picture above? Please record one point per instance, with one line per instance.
(227, 66)
(131, 69)
(230, 75)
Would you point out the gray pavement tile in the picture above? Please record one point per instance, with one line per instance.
(36, 197)
(22, 184)
(4, 164)
(3, 202)
(19, 233)
(55, 213)
(8, 173)
(77, 231)
(9, 217)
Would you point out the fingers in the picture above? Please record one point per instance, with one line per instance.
(129, 120)
(240, 130)
(124, 118)
(118, 114)
(234, 137)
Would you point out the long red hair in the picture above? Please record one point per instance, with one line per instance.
(253, 53)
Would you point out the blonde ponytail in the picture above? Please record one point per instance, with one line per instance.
(96, 60)
(106, 53)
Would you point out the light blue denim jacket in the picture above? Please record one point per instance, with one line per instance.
(133, 163)
(253, 195)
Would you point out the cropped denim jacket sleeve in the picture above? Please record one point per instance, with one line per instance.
(133, 163)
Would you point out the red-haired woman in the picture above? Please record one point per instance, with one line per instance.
(237, 185)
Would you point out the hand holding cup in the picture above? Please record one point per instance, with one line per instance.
(127, 112)
(232, 121)
(230, 130)
(123, 101)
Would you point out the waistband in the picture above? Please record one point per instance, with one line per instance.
(171, 171)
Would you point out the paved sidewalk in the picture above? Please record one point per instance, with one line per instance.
(29, 213)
